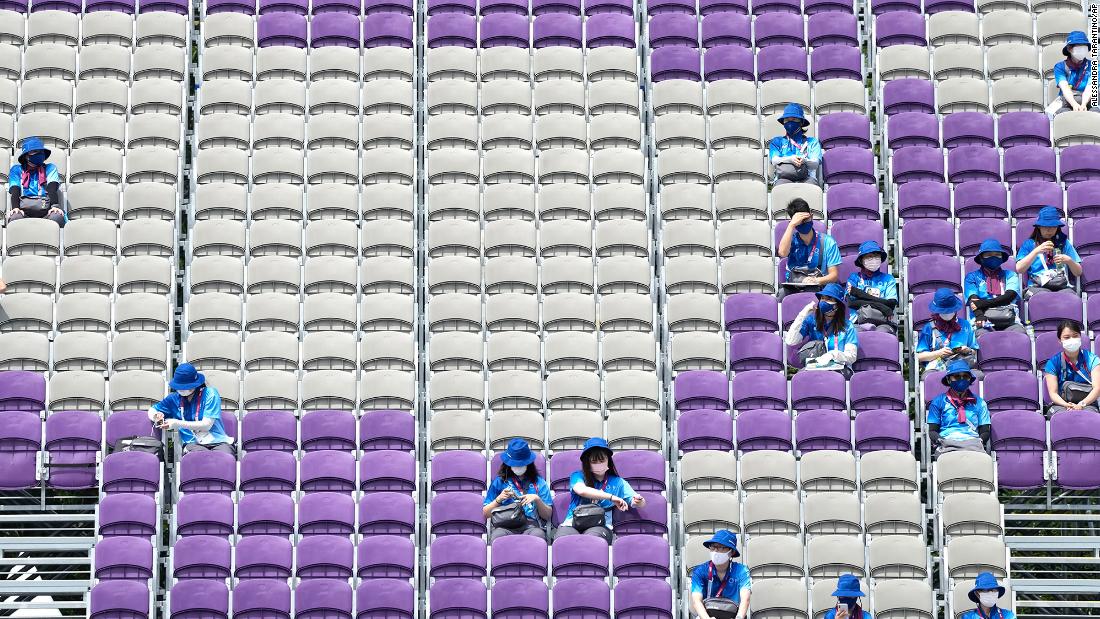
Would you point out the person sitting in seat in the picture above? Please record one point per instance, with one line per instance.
(828, 341)
(958, 420)
(993, 292)
(1047, 255)
(194, 409)
(985, 594)
(518, 481)
(813, 258)
(33, 185)
(945, 338)
(847, 596)
(594, 491)
(1073, 76)
(794, 155)
(1072, 377)
(872, 294)
(720, 588)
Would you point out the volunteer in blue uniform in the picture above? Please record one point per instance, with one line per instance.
(993, 292)
(794, 155)
(1049, 259)
(813, 258)
(518, 480)
(720, 578)
(871, 288)
(847, 596)
(597, 483)
(1072, 377)
(985, 594)
(945, 338)
(1073, 76)
(958, 420)
(33, 185)
(828, 340)
(194, 409)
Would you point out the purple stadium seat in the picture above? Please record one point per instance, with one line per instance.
(118, 6)
(1029, 163)
(912, 129)
(643, 598)
(1086, 235)
(968, 129)
(850, 233)
(119, 599)
(931, 7)
(782, 62)
(540, 463)
(640, 556)
(298, 7)
(69, 6)
(844, 129)
(811, 390)
(928, 273)
(917, 163)
(458, 471)
(759, 389)
(1045, 314)
(673, 29)
(751, 311)
(832, 28)
(230, 6)
(879, 7)
(701, 389)
(329, 430)
(919, 313)
(1083, 199)
(457, 513)
(281, 29)
(852, 201)
(756, 350)
(603, 7)
(387, 556)
(275, 430)
(1005, 350)
(703, 428)
(520, 598)
(208, 471)
(556, 29)
(370, 7)
(263, 556)
(973, 231)
(849, 164)
(927, 237)
(878, 430)
(1090, 283)
(562, 466)
(579, 557)
(708, 7)
(326, 513)
(661, 7)
(322, 599)
(973, 163)
(265, 513)
(201, 556)
(22, 391)
(195, 599)
(813, 7)
(581, 598)
(18, 6)
(899, 28)
(908, 95)
(1075, 439)
(760, 7)
(325, 556)
(390, 30)
(385, 598)
(505, 30)
(458, 598)
(610, 30)
(1027, 197)
(518, 556)
(469, 7)
(764, 429)
(131, 471)
(877, 351)
(73, 441)
(450, 29)
(386, 513)
(130, 514)
(924, 199)
(1019, 440)
(1023, 129)
(381, 471)
(200, 513)
(261, 599)
(20, 442)
(488, 7)
(321, 7)
(779, 29)
(818, 430)
(644, 469)
(1080, 163)
(268, 471)
(879, 390)
(128, 424)
(1011, 390)
(384, 429)
(722, 62)
(124, 558)
(457, 556)
(727, 28)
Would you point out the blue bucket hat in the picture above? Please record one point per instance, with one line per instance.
(991, 246)
(847, 586)
(985, 581)
(518, 453)
(945, 302)
(794, 110)
(595, 443)
(30, 145)
(833, 291)
(1049, 216)
(1075, 38)
(958, 367)
(187, 377)
(726, 538)
(867, 248)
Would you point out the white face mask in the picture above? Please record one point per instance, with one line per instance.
(599, 468)
(947, 317)
(185, 392)
(872, 263)
(1079, 52)
(518, 471)
(1072, 345)
(988, 598)
(720, 558)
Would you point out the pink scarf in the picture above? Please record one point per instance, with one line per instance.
(25, 177)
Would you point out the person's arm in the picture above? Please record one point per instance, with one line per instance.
(201, 425)
(698, 607)
(784, 248)
(743, 607)
(52, 197)
(631, 497)
(831, 275)
(1053, 394)
(586, 492)
(984, 432)
(545, 503)
(848, 355)
(498, 498)
(934, 433)
(1007, 298)
(1094, 376)
(3, 286)
(925, 353)
(794, 332)
(1067, 94)
(1024, 259)
(860, 298)
(813, 153)
(1069, 259)
(15, 193)
(773, 153)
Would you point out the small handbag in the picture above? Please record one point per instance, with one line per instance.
(1074, 392)
(588, 516)
(1000, 317)
(721, 608)
(811, 350)
(146, 444)
(509, 516)
(869, 314)
(791, 172)
(798, 276)
(34, 207)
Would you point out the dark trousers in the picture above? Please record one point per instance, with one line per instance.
(228, 448)
(531, 528)
(600, 531)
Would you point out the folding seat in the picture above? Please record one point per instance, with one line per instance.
(614, 130)
(1074, 439)
(1011, 390)
(1075, 128)
(262, 557)
(77, 389)
(756, 350)
(457, 596)
(274, 430)
(206, 598)
(882, 430)
(630, 390)
(772, 513)
(380, 557)
(1053, 26)
(386, 513)
(1045, 315)
(1077, 163)
(764, 430)
(823, 430)
(643, 597)
(456, 514)
(957, 61)
(261, 597)
(829, 556)
(273, 311)
(387, 596)
(694, 312)
(72, 443)
(888, 471)
(903, 61)
(971, 514)
(208, 472)
(964, 472)
(25, 351)
(517, 557)
(912, 129)
(276, 350)
(966, 556)
(32, 312)
(201, 557)
(929, 273)
(514, 390)
(505, 425)
(199, 513)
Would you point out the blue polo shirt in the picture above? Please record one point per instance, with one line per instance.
(1037, 265)
(941, 411)
(977, 285)
(932, 339)
(998, 613)
(33, 189)
(820, 253)
(804, 146)
(616, 486)
(832, 342)
(880, 285)
(1058, 367)
(189, 409)
(1078, 80)
(540, 487)
(704, 580)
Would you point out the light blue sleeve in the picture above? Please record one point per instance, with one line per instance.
(983, 412)
(1012, 282)
(924, 341)
(1025, 249)
(891, 289)
(850, 336)
(211, 404)
(493, 491)
(744, 579)
(1071, 251)
(773, 150)
(170, 406)
(971, 337)
(52, 175)
(971, 285)
(1060, 76)
(544, 492)
(699, 579)
(625, 491)
(935, 410)
(13, 176)
(813, 150)
(808, 328)
(1052, 367)
(831, 255)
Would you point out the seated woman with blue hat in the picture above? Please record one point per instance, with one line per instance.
(958, 420)
(992, 292)
(1072, 377)
(1047, 256)
(794, 155)
(1073, 76)
(827, 340)
(985, 594)
(194, 409)
(945, 338)
(813, 258)
(594, 491)
(518, 501)
(847, 596)
(33, 185)
(720, 588)
(872, 293)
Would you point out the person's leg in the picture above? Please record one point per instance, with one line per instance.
(533, 529)
(1069, 290)
(228, 448)
(601, 532)
(58, 219)
(1031, 291)
(780, 181)
(13, 215)
(496, 532)
(563, 530)
(1016, 328)
(1054, 408)
(189, 447)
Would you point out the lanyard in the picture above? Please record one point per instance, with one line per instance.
(995, 611)
(519, 486)
(1080, 79)
(1071, 365)
(711, 573)
(601, 488)
(198, 406)
(801, 148)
